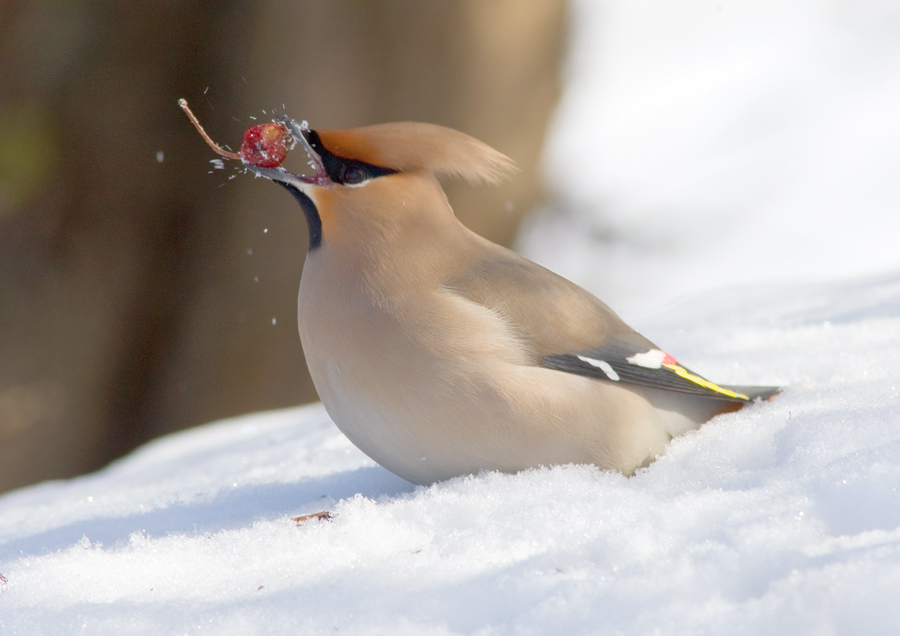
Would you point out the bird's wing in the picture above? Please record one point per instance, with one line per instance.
(617, 361)
(566, 328)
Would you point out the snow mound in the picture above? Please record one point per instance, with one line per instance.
(701, 144)
(781, 518)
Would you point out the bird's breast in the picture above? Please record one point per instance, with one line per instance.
(403, 374)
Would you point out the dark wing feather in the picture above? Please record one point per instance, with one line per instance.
(669, 377)
(561, 324)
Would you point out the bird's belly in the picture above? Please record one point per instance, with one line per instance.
(444, 431)
(432, 408)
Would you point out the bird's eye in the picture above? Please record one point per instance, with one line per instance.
(353, 174)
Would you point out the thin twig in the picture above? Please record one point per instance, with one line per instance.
(318, 516)
(228, 155)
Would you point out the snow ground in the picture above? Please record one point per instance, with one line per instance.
(782, 518)
(742, 162)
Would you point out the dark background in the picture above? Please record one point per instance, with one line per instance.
(137, 297)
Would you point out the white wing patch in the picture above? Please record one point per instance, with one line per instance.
(652, 359)
(603, 365)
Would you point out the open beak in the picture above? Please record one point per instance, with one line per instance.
(300, 132)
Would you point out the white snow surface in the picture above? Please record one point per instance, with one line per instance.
(731, 165)
(781, 518)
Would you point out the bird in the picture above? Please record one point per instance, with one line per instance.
(441, 354)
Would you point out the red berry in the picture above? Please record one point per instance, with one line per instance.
(264, 145)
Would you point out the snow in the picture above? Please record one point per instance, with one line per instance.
(781, 518)
(784, 517)
(702, 144)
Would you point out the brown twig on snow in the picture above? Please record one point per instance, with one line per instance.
(317, 516)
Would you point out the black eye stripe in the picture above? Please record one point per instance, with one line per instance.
(344, 171)
(352, 172)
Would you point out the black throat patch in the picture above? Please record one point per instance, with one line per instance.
(313, 220)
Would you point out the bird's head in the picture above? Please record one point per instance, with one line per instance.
(380, 174)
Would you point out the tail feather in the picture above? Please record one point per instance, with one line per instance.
(756, 392)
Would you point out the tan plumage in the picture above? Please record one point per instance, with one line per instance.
(418, 147)
(439, 353)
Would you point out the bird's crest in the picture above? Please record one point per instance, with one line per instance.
(418, 147)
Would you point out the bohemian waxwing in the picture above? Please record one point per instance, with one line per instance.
(439, 353)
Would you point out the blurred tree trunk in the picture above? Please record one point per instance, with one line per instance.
(140, 296)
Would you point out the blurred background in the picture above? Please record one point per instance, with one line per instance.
(666, 148)
(140, 294)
